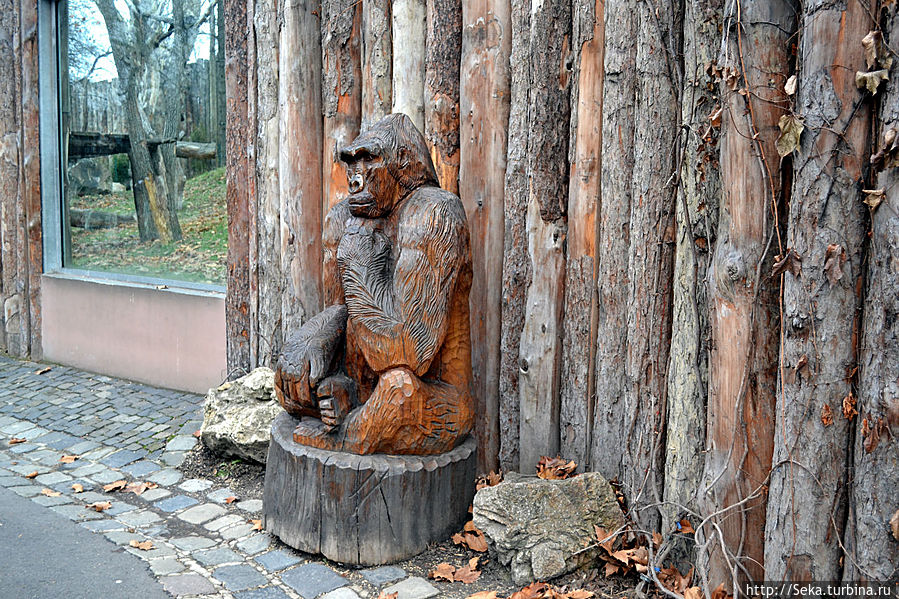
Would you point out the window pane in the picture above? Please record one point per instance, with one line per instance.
(143, 114)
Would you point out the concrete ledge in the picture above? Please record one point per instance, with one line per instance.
(169, 337)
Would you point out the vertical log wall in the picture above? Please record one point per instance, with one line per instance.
(712, 365)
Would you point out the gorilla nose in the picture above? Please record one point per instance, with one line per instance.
(356, 183)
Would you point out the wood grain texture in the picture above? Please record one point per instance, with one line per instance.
(697, 220)
(484, 118)
(743, 295)
(442, 64)
(821, 300)
(341, 90)
(409, 25)
(269, 271)
(300, 161)
(577, 382)
(237, 316)
(377, 63)
(401, 504)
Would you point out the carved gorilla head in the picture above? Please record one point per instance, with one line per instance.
(384, 164)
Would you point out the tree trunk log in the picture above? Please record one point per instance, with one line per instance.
(341, 91)
(577, 390)
(409, 49)
(442, 63)
(820, 301)
(300, 161)
(377, 62)
(743, 295)
(484, 100)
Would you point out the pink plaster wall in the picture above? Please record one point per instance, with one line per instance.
(170, 338)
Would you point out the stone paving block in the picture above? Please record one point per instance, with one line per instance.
(52, 478)
(9, 481)
(192, 543)
(341, 593)
(24, 469)
(195, 485)
(311, 580)
(220, 495)
(63, 441)
(202, 513)
(119, 507)
(414, 587)
(48, 501)
(122, 458)
(154, 494)
(166, 565)
(93, 496)
(165, 477)
(276, 560)
(271, 592)
(15, 429)
(142, 468)
(76, 512)
(255, 544)
(106, 476)
(240, 577)
(215, 557)
(139, 518)
(186, 584)
(173, 504)
(224, 522)
(236, 532)
(173, 458)
(124, 537)
(47, 457)
(98, 453)
(103, 525)
(159, 550)
(83, 447)
(87, 470)
(181, 443)
(383, 575)
(23, 448)
(26, 490)
(66, 486)
(250, 505)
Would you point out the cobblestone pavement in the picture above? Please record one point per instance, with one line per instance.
(203, 546)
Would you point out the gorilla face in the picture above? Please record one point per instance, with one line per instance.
(385, 164)
(373, 189)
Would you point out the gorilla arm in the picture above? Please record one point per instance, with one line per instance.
(401, 320)
(308, 357)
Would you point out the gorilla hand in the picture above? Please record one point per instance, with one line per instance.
(307, 358)
(336, 398)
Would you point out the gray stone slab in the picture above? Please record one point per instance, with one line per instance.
(124, 537)
(141, 468)
(122, 458)
(166, 565)
(139, 518)
(250, 505)
(103, 525)
(83, 447)
(255, 544)
(159, 550)
(48, 501)
(236, 532)
(220, 495)
(224, 522)
(277, 560)
(181, 443)
(119, 507)
(23, 448)
(192, 543)
(24, 469)
(187, 584)
(26, 490)
(51, 478)
(240, 577)
(215, 557)
(383, 575)
(173, 458)
(165, 477)
(154, 494)
(341, 593)
(106, 476)
(202, 513)
(271, 592)
(414, 587)
(76, 512)
(311, 580)
(195, 485)
(87, 470)
(175, 503)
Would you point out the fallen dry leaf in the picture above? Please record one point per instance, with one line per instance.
(693, 593)
(874, 197)
(115, 486)
(142, 545)
(555, 468)
(489, 480)
(826, 415)
(876, 52)
(535, 590)
(483, 595)
(790, 85)
(139, 487)
(466, 574)
(68, 459)
(50, 492)
(791, 127)
(99, 506)
(31, 474)
(894, 524)
(257, 524)
(16, 440)
(791, 261)
(871, 80)
(443, 571)
(196, 434)
(386, 595)
(578, 594)
(231, 499)
(474, 538)
(685, 527)
(849, 411)
(77, 487)
(44, 370)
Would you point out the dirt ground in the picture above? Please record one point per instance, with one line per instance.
(246, 481)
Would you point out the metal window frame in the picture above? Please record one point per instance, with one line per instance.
(51, 168)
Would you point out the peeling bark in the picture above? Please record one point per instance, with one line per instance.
(442, 64)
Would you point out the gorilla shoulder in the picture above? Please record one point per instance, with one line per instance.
(436, 206)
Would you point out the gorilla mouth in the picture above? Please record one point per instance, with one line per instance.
(361, 199)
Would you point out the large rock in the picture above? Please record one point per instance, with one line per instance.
(538, 527)
(237, 417)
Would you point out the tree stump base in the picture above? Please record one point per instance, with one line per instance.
(364, 509)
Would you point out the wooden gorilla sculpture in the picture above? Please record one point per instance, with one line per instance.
(386, 368)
